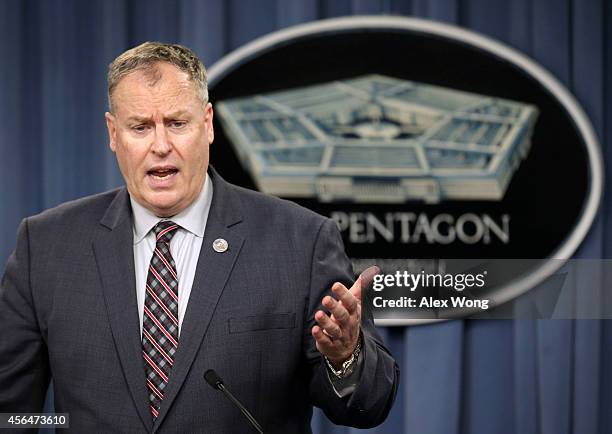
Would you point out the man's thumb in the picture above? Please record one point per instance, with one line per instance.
(364, 281)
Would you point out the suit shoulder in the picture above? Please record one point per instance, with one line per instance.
(276, 208)
(89, 208)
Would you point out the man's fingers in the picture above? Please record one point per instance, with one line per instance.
(323, 341)
(340, 313)
(330, 327)
(348, 298)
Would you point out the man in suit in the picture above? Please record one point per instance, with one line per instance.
(125, 299)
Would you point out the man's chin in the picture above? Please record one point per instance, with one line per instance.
(163, 206)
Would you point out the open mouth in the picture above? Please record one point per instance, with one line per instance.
(162, 173)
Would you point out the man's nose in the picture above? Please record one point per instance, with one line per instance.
(161, 141)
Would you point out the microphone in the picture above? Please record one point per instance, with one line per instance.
(216, 382)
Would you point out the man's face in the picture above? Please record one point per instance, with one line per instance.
(160, 132)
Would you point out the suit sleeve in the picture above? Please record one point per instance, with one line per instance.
(24, 368)
(373, 397)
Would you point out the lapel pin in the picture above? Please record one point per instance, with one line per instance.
(220, 245)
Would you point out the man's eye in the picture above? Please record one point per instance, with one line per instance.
(139, 128)
(178, 124)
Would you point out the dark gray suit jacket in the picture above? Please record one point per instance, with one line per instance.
(68, 311)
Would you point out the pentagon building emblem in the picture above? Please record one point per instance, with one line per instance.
(379, 139)
(426, 143)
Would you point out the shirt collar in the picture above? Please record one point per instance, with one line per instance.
(193, 218)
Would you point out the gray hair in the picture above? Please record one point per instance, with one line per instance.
(145, 56)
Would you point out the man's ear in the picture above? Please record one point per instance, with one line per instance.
(111, 126)
(208, 117)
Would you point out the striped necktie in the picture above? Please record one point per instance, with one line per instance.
(160, 318)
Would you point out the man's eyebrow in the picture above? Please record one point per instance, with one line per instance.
(171, 115)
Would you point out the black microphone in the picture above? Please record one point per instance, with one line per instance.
(216, 382)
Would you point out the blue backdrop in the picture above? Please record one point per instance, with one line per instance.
(548, 377)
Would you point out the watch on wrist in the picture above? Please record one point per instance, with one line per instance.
(349, 365)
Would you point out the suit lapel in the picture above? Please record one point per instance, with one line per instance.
(212, 273)
(115, 258)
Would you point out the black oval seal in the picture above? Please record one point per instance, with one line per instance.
(421, 139)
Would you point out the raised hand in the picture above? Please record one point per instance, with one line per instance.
(336, 335)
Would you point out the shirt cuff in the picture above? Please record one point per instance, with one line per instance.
(347, 385)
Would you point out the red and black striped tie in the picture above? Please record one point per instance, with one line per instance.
(160, 320)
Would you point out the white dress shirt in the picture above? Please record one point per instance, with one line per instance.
(184, 247)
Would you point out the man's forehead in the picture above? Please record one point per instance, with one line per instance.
(142, 117)
(155, 76)
(135, 93)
